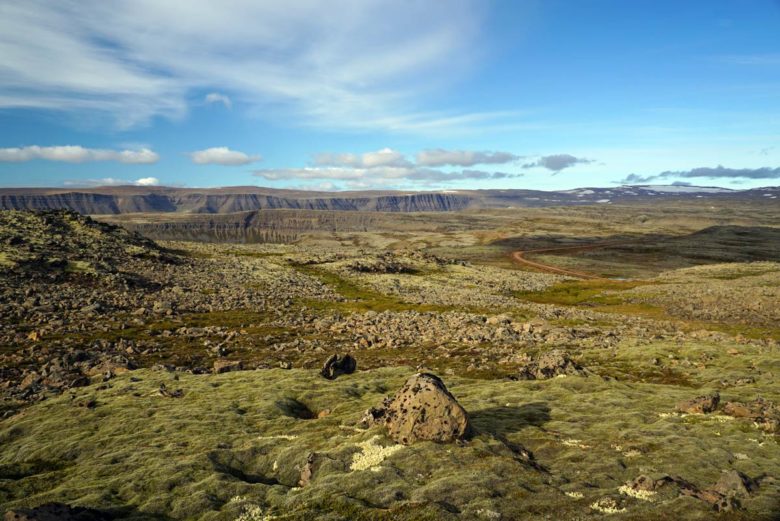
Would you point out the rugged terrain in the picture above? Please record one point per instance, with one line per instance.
(180, 380)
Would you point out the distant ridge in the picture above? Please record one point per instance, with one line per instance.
(136, 199)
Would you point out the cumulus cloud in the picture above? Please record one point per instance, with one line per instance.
(718, 172)
(147, 181)
(222, 156)
(379, 174)
(441, 157)
(557, 162)
(126, 59)
(463, 175)
(383, 157)
(389, 167)
(77, 154)
(112, 181)
(216, 97)
(340, 173)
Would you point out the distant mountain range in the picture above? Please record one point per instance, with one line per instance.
(136, 199)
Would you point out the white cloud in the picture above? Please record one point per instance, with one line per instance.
(440, 157)
(383, 157)
(390, 167)
(147, 181)
(216, 97)
(112, 181)
(222, 156)
(340, 173)
(126, 59)
(77, 154)
(382, 174)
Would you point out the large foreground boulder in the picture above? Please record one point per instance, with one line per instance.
(422, 410)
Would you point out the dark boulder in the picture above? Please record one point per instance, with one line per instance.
(337, 365)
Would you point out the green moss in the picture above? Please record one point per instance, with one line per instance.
(360, 298)
(226, 446)
(582, 292)
(79, 266)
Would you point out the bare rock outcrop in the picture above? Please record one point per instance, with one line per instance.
(551, 364)
(422, 410)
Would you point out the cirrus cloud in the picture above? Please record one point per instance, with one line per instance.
(216, 97)
(127, 60)
(77, 154)
(222, 156)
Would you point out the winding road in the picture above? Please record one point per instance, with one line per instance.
(519, 257)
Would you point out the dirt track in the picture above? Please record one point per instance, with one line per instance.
(519, 257)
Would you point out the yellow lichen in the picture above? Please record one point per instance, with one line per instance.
(575, 443)
(372, 454)
(644, 495)
(607, 505)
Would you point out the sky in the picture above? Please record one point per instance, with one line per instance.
(390, 94)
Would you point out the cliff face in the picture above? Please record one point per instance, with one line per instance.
(131, 199)
(277, 226)
(107, 204)
(79, 202)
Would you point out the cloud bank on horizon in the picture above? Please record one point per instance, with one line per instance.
(467, 93)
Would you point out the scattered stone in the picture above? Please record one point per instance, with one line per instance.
(307, 472)
(337, 365)
(722, 496)
(764, 413)
(226, 366)
(89, 403)
(550, 364)
(163, 391)
(700, 404)
(735, 484)
(422, 410)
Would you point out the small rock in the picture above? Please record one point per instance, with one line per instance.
(226, 366)
(307, 472)
(337, 365)
(734, 483)
(700, 404)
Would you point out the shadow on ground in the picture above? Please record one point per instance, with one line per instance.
(500, 421)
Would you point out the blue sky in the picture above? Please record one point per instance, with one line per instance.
(353, 94)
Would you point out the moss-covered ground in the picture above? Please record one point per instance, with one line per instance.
(233, 446)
